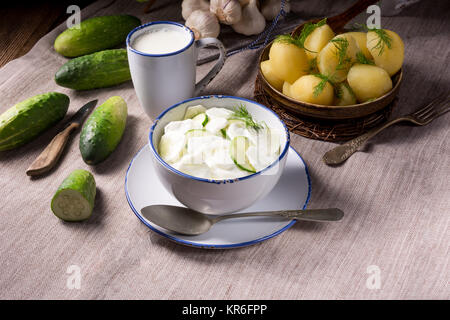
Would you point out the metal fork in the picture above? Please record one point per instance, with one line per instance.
(421, 117)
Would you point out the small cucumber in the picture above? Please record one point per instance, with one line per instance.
(74, 199)
(27, 119)
(98, 70)
(103, 130)
(95, 34)
(238, 153)
(191, 112)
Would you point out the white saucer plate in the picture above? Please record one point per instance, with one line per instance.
(143, 188)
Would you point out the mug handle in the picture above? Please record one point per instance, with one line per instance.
(201, 43)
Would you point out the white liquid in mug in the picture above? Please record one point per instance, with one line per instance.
(161, 41)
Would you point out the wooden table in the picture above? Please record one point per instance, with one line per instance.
(23, 24)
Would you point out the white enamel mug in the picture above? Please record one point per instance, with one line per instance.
(161, 80)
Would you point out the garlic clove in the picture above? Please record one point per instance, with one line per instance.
(271, 8)
(252, 21)
(204, 24)
(227, 11)
(189, 6)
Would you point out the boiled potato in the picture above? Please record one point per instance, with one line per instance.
(317, 40)
(304, 90)
(368, 82)
(390, 59)
(361, 40)
(345, 95)
(267, 71)
(329, 58)
(289, 62)
(287, 89)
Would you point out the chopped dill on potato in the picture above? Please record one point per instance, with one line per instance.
(384, 40)
(308, 29)
(361, 58)
(299, 41)
(321, 85)
(312, 65)
(341, 45)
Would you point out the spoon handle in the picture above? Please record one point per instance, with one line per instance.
(331, 214)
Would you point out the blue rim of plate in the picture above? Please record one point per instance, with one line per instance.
(128, 40)
(169, 167)
(209, 246)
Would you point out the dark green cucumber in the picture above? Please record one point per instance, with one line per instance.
(95, 34)
(98, 70)
(103, 130)
(29, 118)
(74, 199)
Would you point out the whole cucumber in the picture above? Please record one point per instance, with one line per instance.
(29, 118)
(103, 130)
(98, 70)
(95, 34)
(75, 197)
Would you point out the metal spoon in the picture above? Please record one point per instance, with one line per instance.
(189, 222)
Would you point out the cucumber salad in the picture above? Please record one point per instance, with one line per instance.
(219, 143)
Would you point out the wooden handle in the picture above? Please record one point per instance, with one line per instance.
(49, 157)
(339, 21)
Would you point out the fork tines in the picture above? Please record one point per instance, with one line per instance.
(435, 108)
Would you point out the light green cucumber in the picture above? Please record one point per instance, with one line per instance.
(29, 118)
(75, 197)
(192, 111)
(98, 70)
(103, 130)
(95, 34)
(238, 153)
(201, 118)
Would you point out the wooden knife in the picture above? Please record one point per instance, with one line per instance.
(51, 154)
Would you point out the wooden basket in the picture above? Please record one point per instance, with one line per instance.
(322, 129)
(330, 123)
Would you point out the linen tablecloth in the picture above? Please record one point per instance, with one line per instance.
(395, 194)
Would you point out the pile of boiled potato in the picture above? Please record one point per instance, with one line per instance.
(320, 67)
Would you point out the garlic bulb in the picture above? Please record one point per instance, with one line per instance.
(189, 6)
(204, 24)
(252, 21)
(271, 8)
(227, 11)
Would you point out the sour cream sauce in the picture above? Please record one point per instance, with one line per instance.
(203, 150)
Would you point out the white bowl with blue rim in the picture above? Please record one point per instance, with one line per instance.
(218, 196)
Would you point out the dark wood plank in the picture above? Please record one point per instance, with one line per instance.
(23, 24)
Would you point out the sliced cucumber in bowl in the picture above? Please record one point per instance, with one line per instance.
(193, 111)
(238, 153)
(197, 133)
(201, 118)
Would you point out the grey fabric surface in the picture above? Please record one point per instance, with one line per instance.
(395, 193)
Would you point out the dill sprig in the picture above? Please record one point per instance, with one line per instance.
(242, 113)
(384, 40)
(341, 45)
(312, 65)
(287, 38)
(321, 85)
(308, 29)
(299, 41)
(361, 58)
(338, 92)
